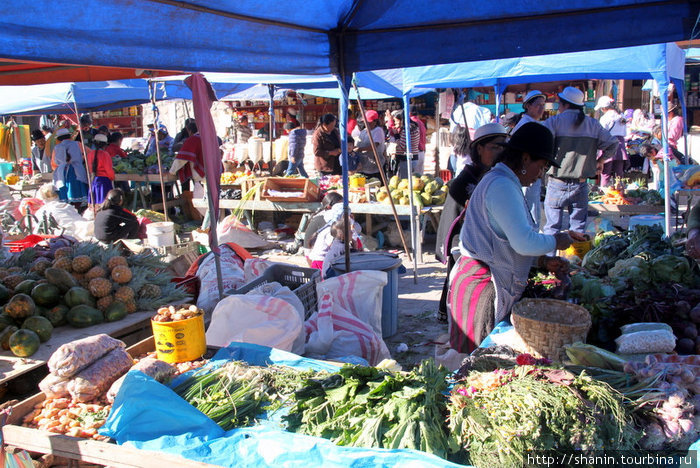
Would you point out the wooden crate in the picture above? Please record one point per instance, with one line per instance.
(308, 190)
(88, 450)
(630, 210)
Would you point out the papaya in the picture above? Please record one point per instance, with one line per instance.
(57, 315)
(24, 342)
(4, 294)
(60, 278)
(20, 307)
(39, 325)
(82, 316)
(46, 295)
(79, 296)
(115, 311)
(25, 287)
(5, 336)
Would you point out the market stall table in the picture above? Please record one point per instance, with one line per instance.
(620, 215)
(132, 326)
(142, 181)
(429, 213)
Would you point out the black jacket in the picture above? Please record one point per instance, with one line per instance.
(115, 223)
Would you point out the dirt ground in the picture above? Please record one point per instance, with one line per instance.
(418, 326)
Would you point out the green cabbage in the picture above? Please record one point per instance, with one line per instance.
(634, 269)
(671, 268)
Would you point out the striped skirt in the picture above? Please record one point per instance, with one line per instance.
(471, 304)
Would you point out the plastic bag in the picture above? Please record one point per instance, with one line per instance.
(254, 318)
(650, 341)
(348, 321)
(253, 268)
(20, 459)
(230, 229)
(231, 277)
(282, 292)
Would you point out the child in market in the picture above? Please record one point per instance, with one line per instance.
(330, 241)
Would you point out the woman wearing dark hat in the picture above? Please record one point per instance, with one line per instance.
(577, 139)
(41, 159)
(485, 149)
(499, 241)
(326, 145)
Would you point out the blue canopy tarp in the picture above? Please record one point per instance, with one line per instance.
(150, 416)
(94, 96)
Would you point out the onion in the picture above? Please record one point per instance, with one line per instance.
(687, 376)
(651, 360)
(686, 425)
(671, 429)
(675, 400)
(654, 437)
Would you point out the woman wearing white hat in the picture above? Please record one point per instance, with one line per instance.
(70, 177)
(613, 122)
(577, 140)
(533, 106)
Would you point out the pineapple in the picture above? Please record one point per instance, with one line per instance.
(131, 306)
(40, 265)
(100, 287)
(150, 290)
(62, 252)
(15, 270)
(81, 263)
(121, 274)
(104, 302)
(124, 294)
(11, 281)
(96, 272)
(4, 273)
(116, 261)
(78, 276)
(63, 263)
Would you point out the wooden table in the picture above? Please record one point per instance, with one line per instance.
(12, 366)
(141, 181)
(428, 213)
(88, 450)
(620, 214)
(30, 189)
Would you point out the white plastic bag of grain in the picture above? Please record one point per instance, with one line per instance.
(649, 341)
(645, 326)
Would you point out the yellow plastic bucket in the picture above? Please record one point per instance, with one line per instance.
(358, 182)
(180, 341)
(578, 249)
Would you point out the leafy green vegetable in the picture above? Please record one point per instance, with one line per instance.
(671, 268)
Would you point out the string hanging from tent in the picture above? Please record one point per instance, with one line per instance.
(156, 123)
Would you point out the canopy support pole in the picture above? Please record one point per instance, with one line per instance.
(497, 90)
(409, 170)
(436, 153)
(382, 174)
(85, 159)
(155, 138)
(343, 128)
(667, 181)
(271, 111)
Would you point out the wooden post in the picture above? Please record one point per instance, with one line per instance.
(87, 166)
(160, 162)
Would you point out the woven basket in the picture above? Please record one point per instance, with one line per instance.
(546, 325)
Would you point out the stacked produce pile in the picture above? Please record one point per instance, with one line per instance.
(138, 163)
(231, 178)
(625, 196)
(427, 190)
(85, 377)
(638, 276)
(80, 285)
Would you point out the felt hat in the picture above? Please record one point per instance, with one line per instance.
(534, 94)
(62, 131)
(535, 139)
(572, 95)
(101, 137)
(371, 115)
(604, 102)
(488, 130)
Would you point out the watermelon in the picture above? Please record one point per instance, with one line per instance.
(79, 296)
(60, 278)
(56, 315)
(115, 311)
(5, 336)
(39, 325)
(20, 307)
(4, 294)
(6, 320)
(83, 315)
(25, 287)
(24, 343)
(46, 294)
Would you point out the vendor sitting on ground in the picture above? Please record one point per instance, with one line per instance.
(64, 214)
(325, 248)
(113, 222)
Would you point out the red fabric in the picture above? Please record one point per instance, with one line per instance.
(191, 151)
(115, 150)
(423, 132)
(352, 123)
(104, 164)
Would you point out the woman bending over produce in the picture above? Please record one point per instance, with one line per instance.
(500, 242)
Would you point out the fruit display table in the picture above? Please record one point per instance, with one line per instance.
(130, 329)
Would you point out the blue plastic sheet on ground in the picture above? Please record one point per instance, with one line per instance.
(150, 416)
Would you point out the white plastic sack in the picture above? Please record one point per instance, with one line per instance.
(348, 320)
(275, 289)
(230, 229)
(231, 277)
(253, 268)
(256, 319)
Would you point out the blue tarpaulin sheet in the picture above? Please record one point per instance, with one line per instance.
(150, 416)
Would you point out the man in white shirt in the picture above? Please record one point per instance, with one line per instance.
(613, 122)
